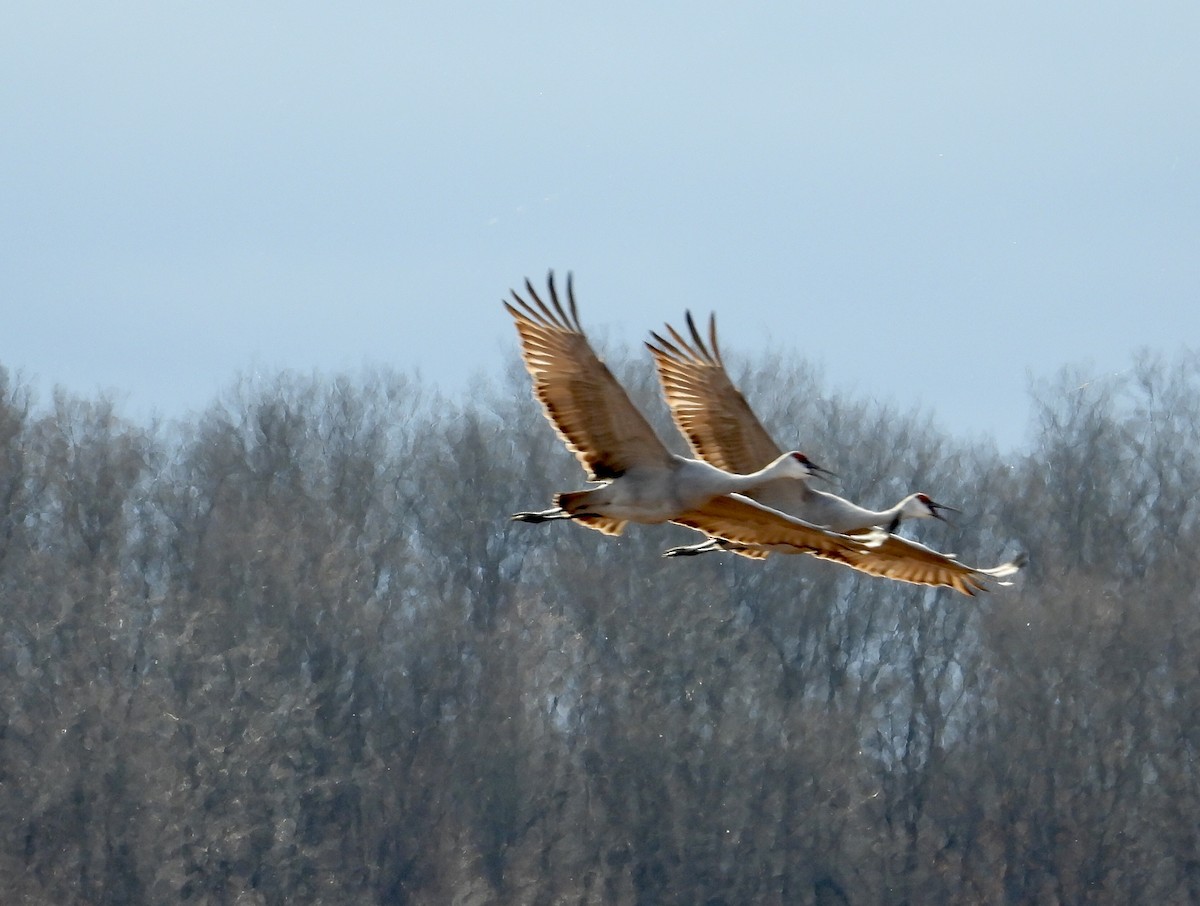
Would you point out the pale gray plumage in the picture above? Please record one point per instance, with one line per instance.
(640, 479)
(722, 429)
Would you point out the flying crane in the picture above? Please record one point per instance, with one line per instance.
(640, 480)
(722, 429)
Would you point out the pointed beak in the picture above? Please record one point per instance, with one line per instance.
(937, 508)
(823, 474)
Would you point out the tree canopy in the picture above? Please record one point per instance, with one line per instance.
(291, 649)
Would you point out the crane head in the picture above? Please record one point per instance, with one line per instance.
(809, 468)
(927, 508)
(919, 506)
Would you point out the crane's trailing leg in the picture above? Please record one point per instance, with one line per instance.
(568, 505)
(692, 550)
(555, 513)
(542, 515)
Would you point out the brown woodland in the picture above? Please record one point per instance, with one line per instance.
(291, 650)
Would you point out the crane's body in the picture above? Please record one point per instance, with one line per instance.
(840, 515)
(653, 494)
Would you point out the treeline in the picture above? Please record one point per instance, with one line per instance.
(292, 651)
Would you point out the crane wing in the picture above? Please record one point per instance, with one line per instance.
(744, 522)
(909, 561)
(580, 397)
(748, 529)
(714, 416)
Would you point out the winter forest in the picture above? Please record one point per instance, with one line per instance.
(292, 650)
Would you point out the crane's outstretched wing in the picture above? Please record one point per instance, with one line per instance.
(881, 554)
(748, 524)
(910, 561)
(580, 397)
(714, 416)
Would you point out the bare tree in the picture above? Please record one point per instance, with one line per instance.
(292, 649)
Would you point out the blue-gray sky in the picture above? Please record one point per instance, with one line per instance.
(933, 200)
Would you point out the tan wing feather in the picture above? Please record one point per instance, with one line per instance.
(712, 413)
(580, 397)
(604, 524)
(742, 521)
(754, 531)
(707, 408)
(909, 561)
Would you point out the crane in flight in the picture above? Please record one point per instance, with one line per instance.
(722, 429)
(640, 480)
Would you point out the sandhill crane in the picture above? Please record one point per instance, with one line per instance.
(641, 480)
(722, 429)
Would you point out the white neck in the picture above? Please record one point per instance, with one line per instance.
(783, 467)
(842, 515)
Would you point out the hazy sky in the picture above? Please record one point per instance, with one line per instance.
(933, 200)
